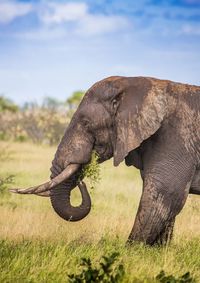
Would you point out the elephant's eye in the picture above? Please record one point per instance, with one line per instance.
(114, 104)
(116, 101)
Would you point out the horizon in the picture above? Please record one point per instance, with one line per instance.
(53, 48)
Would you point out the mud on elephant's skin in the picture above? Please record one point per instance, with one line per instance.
(153, 125)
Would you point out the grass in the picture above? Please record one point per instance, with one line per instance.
(37, 246)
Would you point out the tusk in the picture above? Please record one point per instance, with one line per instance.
(43, 194)
(64, 175)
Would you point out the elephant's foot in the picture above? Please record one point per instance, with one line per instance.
(166, 235)
(164, 238)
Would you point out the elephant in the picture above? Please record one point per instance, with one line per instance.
(149, 123)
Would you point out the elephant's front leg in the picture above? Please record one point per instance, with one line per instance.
(167, 233)
(165, 189)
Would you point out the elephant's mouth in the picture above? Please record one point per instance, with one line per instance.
(104, 152)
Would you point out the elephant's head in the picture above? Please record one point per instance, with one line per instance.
(114, 117)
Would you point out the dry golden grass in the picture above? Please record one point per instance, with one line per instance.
(114, 200)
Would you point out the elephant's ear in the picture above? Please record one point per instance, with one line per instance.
(141, 110)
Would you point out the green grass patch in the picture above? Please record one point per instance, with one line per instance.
(105, 261)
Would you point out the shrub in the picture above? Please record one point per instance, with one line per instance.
(7, 105)
(185, 278)
(106, 272)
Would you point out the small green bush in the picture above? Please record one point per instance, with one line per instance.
(104, 273)
(108, 273)
(185, 278)
(163, 278)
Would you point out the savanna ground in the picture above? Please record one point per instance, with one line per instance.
(37, 246)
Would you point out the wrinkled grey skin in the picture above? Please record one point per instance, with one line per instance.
(151, 124)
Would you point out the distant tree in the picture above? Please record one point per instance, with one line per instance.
(51, 103)
(74, 100)
(7, 105)
(29, 106)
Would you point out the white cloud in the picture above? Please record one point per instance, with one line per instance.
(190, 29)
(54, 13)
(43, 34)
(98, 24)
(82, 21)
(9, 10)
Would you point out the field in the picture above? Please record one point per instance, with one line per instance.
(37, 246)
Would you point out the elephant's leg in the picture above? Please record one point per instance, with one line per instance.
(167, 179)
(167, 234)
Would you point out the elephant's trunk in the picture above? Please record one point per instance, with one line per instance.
(59, 189)
(60, 199)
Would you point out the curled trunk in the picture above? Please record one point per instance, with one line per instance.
(60, 199)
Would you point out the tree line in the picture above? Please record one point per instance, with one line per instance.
(44, 123)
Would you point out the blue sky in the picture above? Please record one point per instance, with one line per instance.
(52, 48)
